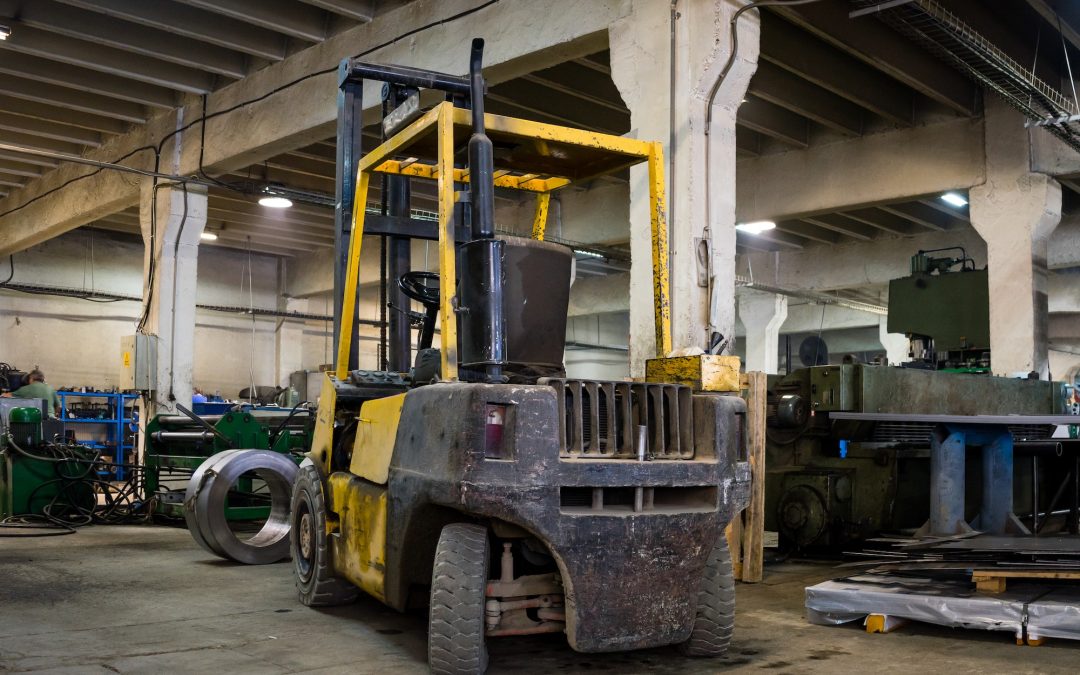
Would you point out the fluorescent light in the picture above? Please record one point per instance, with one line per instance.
(275, 202)
(589, 254)
(755, 227)
(4, 32)
(208, 236)
(954, 199)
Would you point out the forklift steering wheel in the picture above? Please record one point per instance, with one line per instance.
(415, 286)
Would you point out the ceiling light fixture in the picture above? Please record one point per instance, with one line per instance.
(208, 236)
(954, 199)
(5, 32)
(275, 202)
(755, 227)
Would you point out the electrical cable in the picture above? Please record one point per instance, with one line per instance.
(11, 274)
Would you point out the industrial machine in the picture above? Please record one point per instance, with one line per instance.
(480, 480)
(944, 309)
(176, 445)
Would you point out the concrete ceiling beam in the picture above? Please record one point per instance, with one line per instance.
(808, 230)
(119, 34)
(54, 95)
(842, 225)
(780, 87)
(27, 140)
(886, 222)
(192, 23)
(269, 120)
(357, 10)
(1047, 11)
(883, 48)
(34, 160)
(47, 129)
(294, 19)
(882, 168)
(775, 122)
(111, 61)
(927, 216)
(20, 169)
(86, 80)
(61, 115)
(593, 114)
(784, 45)
(937, 204)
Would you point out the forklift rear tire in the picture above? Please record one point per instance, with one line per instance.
(715, 620)
(458, 583)
(315, 580)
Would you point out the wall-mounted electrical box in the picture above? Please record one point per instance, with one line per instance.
(138, 362)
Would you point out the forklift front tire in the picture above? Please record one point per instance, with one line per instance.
(715, 619)
(315, 580)
(458, 583)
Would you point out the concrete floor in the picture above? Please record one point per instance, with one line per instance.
(147, 599)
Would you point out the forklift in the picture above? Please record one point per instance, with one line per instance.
(478, 480)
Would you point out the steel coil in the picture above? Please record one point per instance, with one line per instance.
(208, 489)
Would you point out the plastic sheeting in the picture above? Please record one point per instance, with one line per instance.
(951, 603)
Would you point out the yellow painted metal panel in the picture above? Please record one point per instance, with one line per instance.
(661, 277)
(376, 431)
(402, 138)
(704, 372)
(348, 306)
(322, 442)
(447, 252)
(543, 201)
(359, 542)
(553, 132)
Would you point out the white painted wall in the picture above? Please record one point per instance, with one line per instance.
(77, 342)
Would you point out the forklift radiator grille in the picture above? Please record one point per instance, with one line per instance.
(601, 419)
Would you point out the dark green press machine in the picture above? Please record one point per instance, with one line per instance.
(177, 444)
(830, 482)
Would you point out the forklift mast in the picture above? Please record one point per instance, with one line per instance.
(401, 105)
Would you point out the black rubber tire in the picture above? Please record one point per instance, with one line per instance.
(456, 620)
(314, 574)
(715, 620)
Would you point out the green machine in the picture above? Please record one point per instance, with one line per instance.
(177, 444)
(830, 482)
(944, 309)
(28, 485)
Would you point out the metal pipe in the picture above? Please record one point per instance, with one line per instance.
(196, 436)
(409, 77)
(1034, 493)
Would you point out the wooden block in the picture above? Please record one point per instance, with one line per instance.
(703, 372)
(883, 623)
(1035, 642)
(734, 535)
(989, 584)
(754, 518)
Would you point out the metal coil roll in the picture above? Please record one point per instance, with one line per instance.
(204, 505)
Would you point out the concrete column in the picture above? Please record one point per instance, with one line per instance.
(762, 314)
(289, 342)
(1015, 211)
(700, 166)
(171, 252)
(895, 344)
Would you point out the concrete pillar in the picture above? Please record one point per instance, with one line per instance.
(700, 166)
(895, 344)
(1015, 211)
(762, 314)
(289, 342)
(171, 252)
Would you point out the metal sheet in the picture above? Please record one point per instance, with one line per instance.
(957, 419)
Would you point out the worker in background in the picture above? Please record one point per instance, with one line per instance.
(35, 387)
(198, 396)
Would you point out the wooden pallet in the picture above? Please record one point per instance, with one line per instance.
(993, 581)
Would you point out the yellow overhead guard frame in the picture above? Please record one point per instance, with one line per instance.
(529, 156)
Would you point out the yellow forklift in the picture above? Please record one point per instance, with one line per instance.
(480, 480)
